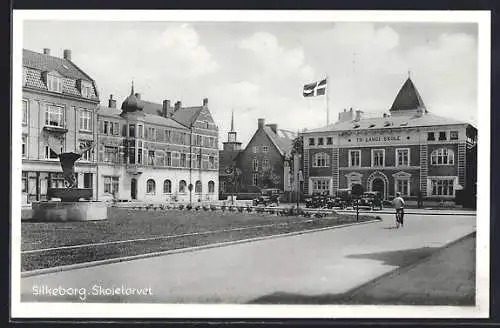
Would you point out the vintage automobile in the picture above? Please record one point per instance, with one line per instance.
(371, 199)
(343, 198)
(318, 200)
(268, 197)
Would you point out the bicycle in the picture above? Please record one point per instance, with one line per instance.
(399, 217)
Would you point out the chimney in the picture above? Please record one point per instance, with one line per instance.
(46, 51)
(205, 102)
(166, 110)
(346, 116)
(111, 102)
(138, 96)
(177, 106)
(260, 123)
(67, 54)
(358, 115)
(273, 127)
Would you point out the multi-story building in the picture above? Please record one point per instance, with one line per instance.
(264, 162)
(156, 152)
(230, 149)
(59, 102)
(408, 150)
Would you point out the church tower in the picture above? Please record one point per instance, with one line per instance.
(231, 144)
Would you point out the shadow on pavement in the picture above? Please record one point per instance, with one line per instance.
(399, 258)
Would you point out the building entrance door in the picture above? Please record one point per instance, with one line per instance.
(87, 180)
(378, 185)
(133, 188)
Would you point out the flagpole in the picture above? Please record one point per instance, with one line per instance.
(327, 102)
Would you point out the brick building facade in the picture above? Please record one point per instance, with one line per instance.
(59, 104)
(408, 150)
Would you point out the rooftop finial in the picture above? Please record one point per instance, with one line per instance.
(409, 74)
(232, 120)
(132, 88)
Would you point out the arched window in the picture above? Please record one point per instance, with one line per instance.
(167, 186)
(182, 186)
(442, 156)
(150, 186)
(211, 187)
(197, 186)
(321, 160)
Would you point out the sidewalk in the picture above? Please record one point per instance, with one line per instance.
(445, 278)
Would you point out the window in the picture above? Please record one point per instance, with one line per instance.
(354, 158)
(265, 164)
(329, 141)
(85, 120)
(198, 161)
(265, 149)
(255, 178)
(54, 116)
(197, 187)
(402, 157)
(442, 135)
(183, 160)
(321, 160)
(111, 184)
(255, 164)
(54, 83)
(167, 186)
(255, 149)
(150, 186)
(320, 141)
(140, 131)
(25, 112)
(168, 158)
(211, 162)
(50, 154)
(139, 155)
(442, 156)
(321, 185)
(430, 136)
(352, 179)
(182, 186)
(86, 89)
(168, 135)
(211, 187)
(453, 135)
(442, 187)
(24, 182)
(86, 156)
(403, 186)
(23, 149)
(151, 157)
(311, 141)
(199, 140)
(378, 157)
(111, 154)
(131, 131)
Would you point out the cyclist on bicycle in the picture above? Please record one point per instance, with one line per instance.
(399, 204)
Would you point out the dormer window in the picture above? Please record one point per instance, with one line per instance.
(86, 89)
(404, 124)
(54, 83)
(356, 126)
(372, 125)
(387, 124)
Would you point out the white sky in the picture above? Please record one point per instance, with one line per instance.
(259, 69)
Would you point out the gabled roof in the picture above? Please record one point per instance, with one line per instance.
(185, 115)
(408, 98)
(390, 122)
(282, 139)
(45, 63)
(149, 118)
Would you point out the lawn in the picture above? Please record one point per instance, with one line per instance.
(127, 224)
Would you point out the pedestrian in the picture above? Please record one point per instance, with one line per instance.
(399, 203)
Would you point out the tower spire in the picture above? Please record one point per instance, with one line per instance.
(132, 88)
(232, 120)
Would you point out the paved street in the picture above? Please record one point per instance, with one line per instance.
(327, 262)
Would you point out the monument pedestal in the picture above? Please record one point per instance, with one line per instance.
(69, 211)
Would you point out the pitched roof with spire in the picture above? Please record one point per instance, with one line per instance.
(408, 98)
(131, 103)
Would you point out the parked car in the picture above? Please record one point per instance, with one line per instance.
(268, 197)
(343, 198)
(371, 199)
(319, 200)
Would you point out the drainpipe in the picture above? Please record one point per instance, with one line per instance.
(96, 128)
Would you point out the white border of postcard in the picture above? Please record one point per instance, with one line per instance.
(72, 310)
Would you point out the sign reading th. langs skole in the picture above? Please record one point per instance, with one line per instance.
(378, 138)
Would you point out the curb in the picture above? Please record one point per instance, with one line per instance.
(69, 267)
(412, 213)
(391, 274)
